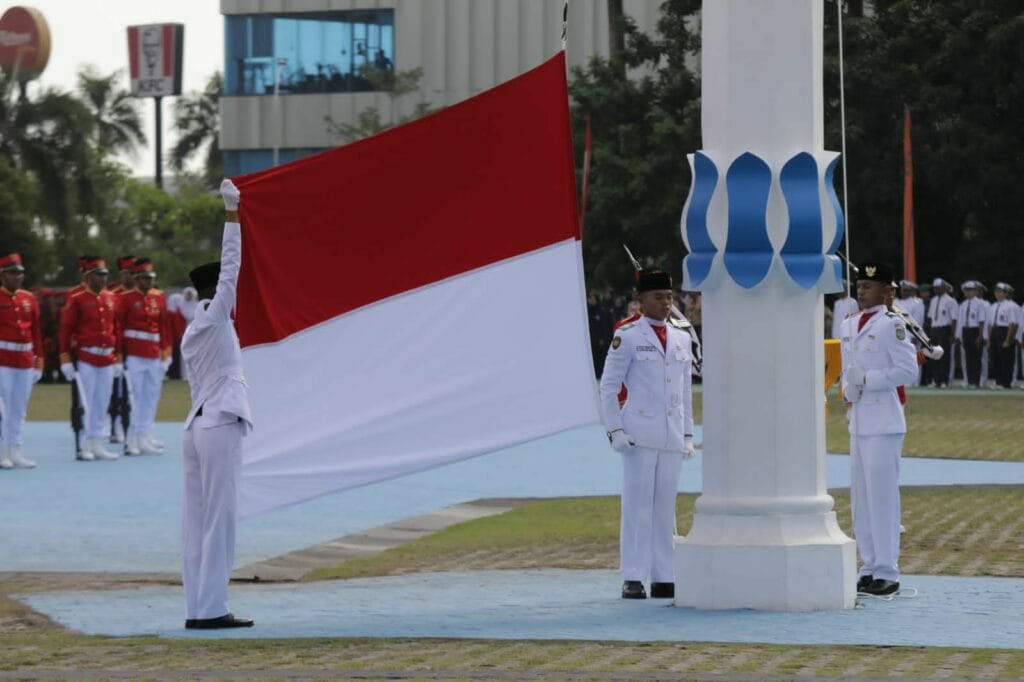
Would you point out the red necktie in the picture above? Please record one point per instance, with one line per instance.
(864, 318)
(662, 333)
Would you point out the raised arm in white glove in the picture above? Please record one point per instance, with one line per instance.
(620, 441)
(933, 353)
(230, 194)
(687, 447)
(68, 370)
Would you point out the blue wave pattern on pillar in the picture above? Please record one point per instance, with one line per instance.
(830, 191)
(702, 249)
(801, 254)
(748, 251)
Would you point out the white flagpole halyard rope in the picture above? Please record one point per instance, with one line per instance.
(842, 133)
(565, 24)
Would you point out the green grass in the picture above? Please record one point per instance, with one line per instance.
(52, 402)
(977, 425)
(968, 530)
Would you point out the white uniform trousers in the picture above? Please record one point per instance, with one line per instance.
(15, 388)
(875, 502)
(145, 381)
(212, 463)
(650, 479)
(95, 385)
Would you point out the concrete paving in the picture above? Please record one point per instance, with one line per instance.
(553, 604)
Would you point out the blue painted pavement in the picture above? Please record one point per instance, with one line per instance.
(553, 604)
(124, 515)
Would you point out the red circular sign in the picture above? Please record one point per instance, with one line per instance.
(24, 42)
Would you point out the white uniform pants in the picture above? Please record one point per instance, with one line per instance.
(15, 388)
(145, 381)
(650, 479)
(212, 462)
(95, 385)
(875, 501)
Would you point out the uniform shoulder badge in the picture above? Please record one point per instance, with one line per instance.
(901, 332)
(625, 327)
(616, 342)
(679, 324)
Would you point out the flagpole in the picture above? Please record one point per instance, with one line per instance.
(909, 252)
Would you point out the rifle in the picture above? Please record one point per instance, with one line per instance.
(120, 404)
(77, 412)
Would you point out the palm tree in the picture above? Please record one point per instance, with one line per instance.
(48, 138)
(197, 123)
(118, 123)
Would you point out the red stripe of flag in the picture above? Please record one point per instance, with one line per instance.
(479, 182)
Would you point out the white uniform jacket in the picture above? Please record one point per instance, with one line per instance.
(211, 350)
(659, 410)
(883, 349)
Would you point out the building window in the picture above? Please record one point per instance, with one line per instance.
(326, 51)
(242, 161)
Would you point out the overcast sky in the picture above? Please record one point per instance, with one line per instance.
(84, 32)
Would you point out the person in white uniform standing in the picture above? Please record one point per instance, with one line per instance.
(942, 319)
(653, 431)
(220, 417)
(841, 309)
(877, 358)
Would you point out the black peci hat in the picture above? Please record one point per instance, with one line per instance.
(205, 276)
(652, 279)
(875, 272)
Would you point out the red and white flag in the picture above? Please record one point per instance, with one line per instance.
(414, 298)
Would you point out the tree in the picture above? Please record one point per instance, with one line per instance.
(115, 112)
(197, 124)
(18, 221)
(48, 138)
(642, 129)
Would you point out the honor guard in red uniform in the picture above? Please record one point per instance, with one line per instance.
(124, 272)
(87, 326)
(21, 358)
(144, 338)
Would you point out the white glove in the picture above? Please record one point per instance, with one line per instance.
(933, 353)
(37, 374)
(166, 362)
(687, 447)
(230, 194)
(856, 376)
(852, 392)
(621, 442)
(118, 370)
(68, 370)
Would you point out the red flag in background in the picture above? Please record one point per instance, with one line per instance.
(909, 257)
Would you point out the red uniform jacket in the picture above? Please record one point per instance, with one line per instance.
(21, 338)
(143, 324)
(87, 324)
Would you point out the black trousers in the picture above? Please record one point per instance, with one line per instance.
(972, 355)
(1002, 358)
(938, 370)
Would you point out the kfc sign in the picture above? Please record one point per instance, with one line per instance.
(24, 43)
(155, 54)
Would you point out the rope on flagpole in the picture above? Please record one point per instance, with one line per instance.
(565, 24)
(842, 133)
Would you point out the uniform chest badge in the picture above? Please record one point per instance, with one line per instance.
(137, 305)
(871, 336)
(901, 332)
(616, 342)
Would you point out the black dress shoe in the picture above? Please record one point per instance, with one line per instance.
(633, 589)
(864, 581)
(226, 621)
(881, 587)
(663, 590)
